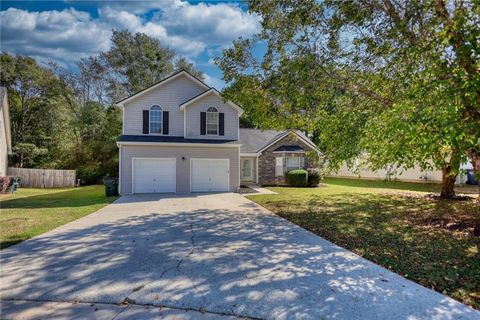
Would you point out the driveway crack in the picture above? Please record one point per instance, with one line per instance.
(180, 262)
(231, 314)
(178, 267)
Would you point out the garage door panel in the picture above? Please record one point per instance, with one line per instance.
(210, 175)
(154, 175)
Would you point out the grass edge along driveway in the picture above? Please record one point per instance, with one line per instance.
(31, 211)
(392, 224)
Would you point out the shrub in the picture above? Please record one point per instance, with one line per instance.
(89, 174)
(297, 178)
(314, 177)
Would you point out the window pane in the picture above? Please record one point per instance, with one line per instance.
(155, 127)
(294, 162)
(278, 166)
(155, 120)
(212, 123)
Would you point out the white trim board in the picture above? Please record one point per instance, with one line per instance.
(172, 144)
(215, 91)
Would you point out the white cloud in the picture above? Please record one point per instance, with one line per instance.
(70, 34)
(52, 35)
(216, 24)
(215, 82)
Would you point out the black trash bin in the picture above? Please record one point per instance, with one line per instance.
(471, 177)
(111, 186)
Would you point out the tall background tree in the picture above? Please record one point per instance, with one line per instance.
(397, 81)
(67, 118)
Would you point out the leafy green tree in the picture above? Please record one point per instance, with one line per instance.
(396, 80)
(67, 118)
(39, 120)
(137, 60)
(183, 64)
(28, 154)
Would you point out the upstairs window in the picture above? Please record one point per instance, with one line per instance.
(212, 121)
(156, 121)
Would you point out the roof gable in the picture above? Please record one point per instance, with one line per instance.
(176, 75)
(209, 92)
(256, 141)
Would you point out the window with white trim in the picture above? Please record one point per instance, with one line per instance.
(294, 161)
(278, 166)
(212, 121)
(156, 120)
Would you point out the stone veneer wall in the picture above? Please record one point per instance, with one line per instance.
(266, 162)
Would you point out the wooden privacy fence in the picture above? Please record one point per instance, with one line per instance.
(43, 178)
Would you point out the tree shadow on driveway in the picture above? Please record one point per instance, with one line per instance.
(217, 254)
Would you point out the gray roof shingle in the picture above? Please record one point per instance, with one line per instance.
(171, 139)
(253, 140)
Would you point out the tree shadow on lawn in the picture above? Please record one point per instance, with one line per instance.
(72, 198)
(426, 240)
(242, 261)
(382, 184)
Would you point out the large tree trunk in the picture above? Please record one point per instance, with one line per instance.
(448, 182)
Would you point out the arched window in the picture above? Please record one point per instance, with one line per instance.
(156, 119)
(212, 121)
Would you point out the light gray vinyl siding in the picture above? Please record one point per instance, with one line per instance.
(169, 96)
(211, 100)
(127, 152)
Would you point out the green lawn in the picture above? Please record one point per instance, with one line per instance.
(393, 224)
(30, 212)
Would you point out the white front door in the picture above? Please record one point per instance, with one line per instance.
(154, 175)
(210, 175)
(246, 169)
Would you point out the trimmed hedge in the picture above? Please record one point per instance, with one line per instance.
(314, 177)
(297, 178)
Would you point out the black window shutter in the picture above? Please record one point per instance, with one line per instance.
(145, 121)
(221, 124)
(203, 123)
(165, 122)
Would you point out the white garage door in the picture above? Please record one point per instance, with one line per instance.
(210, 175)
(154, 175)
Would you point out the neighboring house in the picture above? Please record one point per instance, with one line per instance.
(5, 134)
(415, 174)
(179, 135)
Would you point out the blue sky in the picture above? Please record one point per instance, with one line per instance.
(65, 31)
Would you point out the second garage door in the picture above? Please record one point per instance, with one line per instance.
(210, 175)
(154, 175)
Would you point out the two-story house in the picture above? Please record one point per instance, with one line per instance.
(179, 135)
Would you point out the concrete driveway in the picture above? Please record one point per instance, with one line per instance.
(203, 256)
